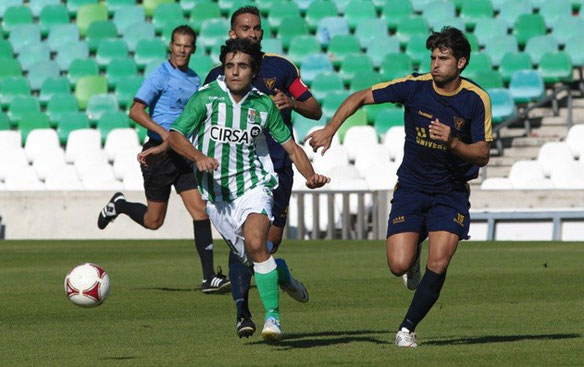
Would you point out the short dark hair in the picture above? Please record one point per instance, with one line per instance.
(452, 38)
(244, 10)
(184, 29)
(253, 49)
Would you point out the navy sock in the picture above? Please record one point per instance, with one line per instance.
(426, 295)
(240, 277)
(204, 244)
(135, 211)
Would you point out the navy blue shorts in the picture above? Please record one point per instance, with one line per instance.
(282, 196)
(421, 212)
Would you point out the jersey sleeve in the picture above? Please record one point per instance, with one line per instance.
(212, 75)
(194, 113)
(151, 89)
(395, 91)
(276, 126)
(481, 123)
(294, 84)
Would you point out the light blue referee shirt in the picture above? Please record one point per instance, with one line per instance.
(166, 91)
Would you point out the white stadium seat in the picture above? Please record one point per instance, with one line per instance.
(63, 178)
(381, 177)
(335, 142)
(336, 156)
(126, 160)
(523, 173)
(536, 184)
(120, 139)
(575, 139)
(11, 159)
(497, 183)
(82, 140)
(10, 139)
(357, 137)
(133, 181)
(551, 153)
(23, 179)
(394, 140)
(370, 156)
(39, 141)
(86, 161)
(50, 160)
(351, 184)
(568, 175)
(101, 178)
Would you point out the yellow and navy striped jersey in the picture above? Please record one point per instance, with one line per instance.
(427, 163)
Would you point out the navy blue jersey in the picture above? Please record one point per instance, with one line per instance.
(276, 72)
(428, 164)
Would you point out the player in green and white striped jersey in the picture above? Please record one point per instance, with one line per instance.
(225, 123)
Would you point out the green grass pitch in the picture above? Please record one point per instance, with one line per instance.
(503, 303)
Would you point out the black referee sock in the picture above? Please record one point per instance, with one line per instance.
(426, 295)
(204, 244)
(136, 211)
(240, 277)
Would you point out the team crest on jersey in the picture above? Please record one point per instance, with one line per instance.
(458, 123)
(270, 83)
(252, 117)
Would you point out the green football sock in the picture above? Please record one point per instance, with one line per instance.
(267, 284)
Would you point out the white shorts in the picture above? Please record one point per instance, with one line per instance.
(228, 217)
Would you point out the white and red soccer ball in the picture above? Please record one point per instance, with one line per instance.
(87, 285)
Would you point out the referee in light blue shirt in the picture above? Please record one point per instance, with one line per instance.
(165, 92)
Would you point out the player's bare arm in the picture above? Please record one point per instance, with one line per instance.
(144, 156)
(476, 153)
(182, 146)
(323, 137)
(138, 114)
(309, 108)
(300, 160)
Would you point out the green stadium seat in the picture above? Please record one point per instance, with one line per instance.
(513, 9)
(6, 49)
(458, 4)
(498, 46)
(137, 32)
(359, 118)
(575, 50)
(51, 86)
(33, 54)
(487, 28)
(438, 13)
(114, 5)
(8, 3)
(370, 31)
(294, 28)
(472, 10)
(151, 5)
(4, 122)
(388, 118)
(396, 65)
(502, 105)
(332, 101)
(555, 11)
(37, 6)
(118, 69)
(329, 27)
(539, 45)
(372, 110)
(168, 27)
(201, 12)
(234, 5)
(87, 14)
(59, 104)
(9, 67)
(394, 10)
(354, 64)
(479, 61)
(266, 5)
(498, 5)
(342, 5)
(512, 62)
(110, 49)
(71, 51)
(440, 22)
(314, 65)
(472, 39)
(24, 35)
(364, 80)
(53, 15)
(267, 29)
(324, 84)
(21, 105)
(166, 13)
(302, 125)
(358, 10)
(71, 121)
(420, 5)
(61, 35)
(149, 50)
(567, 28)
(526, 86)
(126, 90)
(317, 10)
(41, 71)
(80, 68)
(555, 67)
(30, 121)
(11, 88)
(88, 86)
(409, 26)
(527, 26)
(127, 15)
(341, 46)
(99, 104)
(112, 120)
(201, 64)
(416, 50)
(98, 31)
(273, 46)
(284, 10)
(302, 46)
(378, 49)
(74, 5)
(577, 5)
(16, 15)
(214, 31)
(488, 79)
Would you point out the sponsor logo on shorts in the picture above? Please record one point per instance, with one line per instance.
(398, 219)
(459, 219)
(235, 136)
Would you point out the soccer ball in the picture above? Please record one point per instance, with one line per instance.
(87, 285)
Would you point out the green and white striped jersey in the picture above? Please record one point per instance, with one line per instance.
(233, 134)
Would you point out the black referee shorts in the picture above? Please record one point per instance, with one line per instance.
(165, 170)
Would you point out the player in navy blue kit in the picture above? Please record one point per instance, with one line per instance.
(448, 135)
(280, 79)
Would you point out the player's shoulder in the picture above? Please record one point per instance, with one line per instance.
(475, 90)
(280, 61)
(413, 79)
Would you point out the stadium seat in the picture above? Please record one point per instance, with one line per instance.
(33, 54)
(60, 104)
(373, 110)
(126, 89)
(167, 29)
(202, 11)
(369, 156)
(513, 9)
(137, 32)
(439, 13)
(16, 15)
(301, 47)
(12, 87)
(358, 10)
(294, 28)
(9, 68)
(512, 62)
(88, 86)
(80, 68)
(388, 118)
(354, 64)
(110, 49)
(120, 139)
(317, 10)
(127, 15)
(71, 51)
(472, 10)
(149, 50)
(53, 15)
(151, 5)
(80, 141)
(166, 13)
(101, 178)
(36, 6)
(526, 86)
(341, 46)
(568, 175)
(53, 85)
(40, 72)
(496, 183)
(479, 61)
(12, 159)
(277, 15)
(6, 49)
(115, 5)
(498, 46)
(567, 28)
(358, 136)
(524, 173)
(213, 31)
(378, 49)
(4, 122)
(359, 118)
(332, 102)
(20, 105)
(416, 50)
(409, 26)
(552, 154)
(315, 64)
(364, 80)
(503, 106)
(324, 84)
(30, 121)
(74, 5)
(39, 141)
(555, 67)
(371, 31)
(109, 121)
(9, 140)
(133, 179)
(87, 161)
(393, 10)
(63, 178)
(527, 26)
(125, 157)
(394, 140)
(98, 31)
(69, 122)
(337, 155)
(488, 79)
(539, 45)
(574, 140)
(574, 48)
(23, 179)
(24, 35)
(88, 14)
(381, 177)
(61, 35)
(99, 104)
(273, 46)
(51, 160)
(302, 125)
(487, 28)
(396, 65)
(329, 27)
(118, 69)
(555, 12)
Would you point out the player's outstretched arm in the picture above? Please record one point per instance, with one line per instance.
(476, 153)
(309, 108)
(138, 114)
(300, 160)
(182, 146)
(323, 137)
(144, 156)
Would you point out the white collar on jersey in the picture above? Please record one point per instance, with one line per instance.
(223, 86)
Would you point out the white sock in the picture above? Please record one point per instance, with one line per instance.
(266, 266)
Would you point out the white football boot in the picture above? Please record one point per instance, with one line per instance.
(293, 287)
(414, 274)
(405, 338)
(272, 330)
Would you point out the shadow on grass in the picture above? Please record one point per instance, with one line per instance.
(169, 289)
(500, 339)
(327, 338)
(117, 358)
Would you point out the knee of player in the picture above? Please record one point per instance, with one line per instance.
(397, 268)
(438, 265)
(153, 223)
